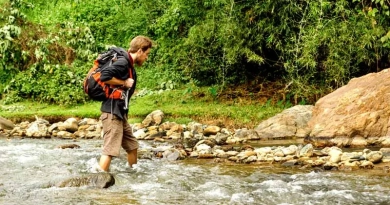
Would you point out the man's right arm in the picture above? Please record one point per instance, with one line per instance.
(116, 69)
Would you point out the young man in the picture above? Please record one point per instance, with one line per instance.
(117, 131)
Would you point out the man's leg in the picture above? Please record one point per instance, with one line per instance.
(132, 157)
(105, 161)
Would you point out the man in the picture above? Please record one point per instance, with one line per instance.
(117, 131)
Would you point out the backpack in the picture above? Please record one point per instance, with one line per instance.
(98, 90)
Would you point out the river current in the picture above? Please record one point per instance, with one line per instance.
(29, 168)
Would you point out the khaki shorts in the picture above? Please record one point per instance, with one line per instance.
(117, 134)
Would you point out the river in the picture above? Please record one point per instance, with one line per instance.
(30, 166)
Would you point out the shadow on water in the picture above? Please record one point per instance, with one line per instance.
(28, 166)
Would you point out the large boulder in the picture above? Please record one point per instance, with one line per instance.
(355, 115)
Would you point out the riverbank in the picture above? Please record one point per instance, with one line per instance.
(178, 105)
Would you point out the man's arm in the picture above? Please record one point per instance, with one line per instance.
(125, 83)
(118, 68)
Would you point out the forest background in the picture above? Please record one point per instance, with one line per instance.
(238, 60)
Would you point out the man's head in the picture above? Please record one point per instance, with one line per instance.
(139, 49)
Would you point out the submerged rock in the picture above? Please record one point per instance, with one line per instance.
(68, 146)
(98, 180)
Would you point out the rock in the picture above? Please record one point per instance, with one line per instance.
(154, 118)
(357, 111)
(330, 166)
(290, 150)
(290, 163)
(37, 129)
(98, 180)
(291, 122)
(374, 156)
(195, 128)
(171, 154)
(246, 134)
(71, 125)
(335, 155)
(221, 138)
(306, 151)
(203, 149)
(211, 130)
(68, 146)
(6, 124)
(366, 165)
(65, 135)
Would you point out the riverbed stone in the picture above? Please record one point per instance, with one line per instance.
(96, 180)
(292, 122)
(306, 151)
(290, 150)
(335, 155)
(374, 156)
(37, 129)
(154, 118)
(71, 125)
(171, 154)
(211, 130)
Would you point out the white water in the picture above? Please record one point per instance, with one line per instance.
(28, 167)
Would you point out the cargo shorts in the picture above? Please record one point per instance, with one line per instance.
(117, 133)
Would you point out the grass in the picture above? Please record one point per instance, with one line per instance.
(177, 106)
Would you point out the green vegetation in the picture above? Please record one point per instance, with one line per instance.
(285, 52)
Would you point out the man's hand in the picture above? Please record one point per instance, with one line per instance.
(128, 83)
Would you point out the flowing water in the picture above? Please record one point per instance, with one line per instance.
(29, 167)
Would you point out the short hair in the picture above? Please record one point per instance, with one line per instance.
(140, 42)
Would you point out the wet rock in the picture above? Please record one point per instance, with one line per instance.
(98, 180)
(140, 134)
(205, 156)
(290, 163)
(306, 151)
(366, 165)
(374, 156)
(290, 150)
(171, 154)
(65, 135)
(68, 146)
(330, 166)
(335, 154)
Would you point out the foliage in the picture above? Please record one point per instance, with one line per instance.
(46, 47)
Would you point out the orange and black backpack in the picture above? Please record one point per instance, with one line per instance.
(98, 90)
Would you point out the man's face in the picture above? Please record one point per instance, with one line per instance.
(142, 56)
